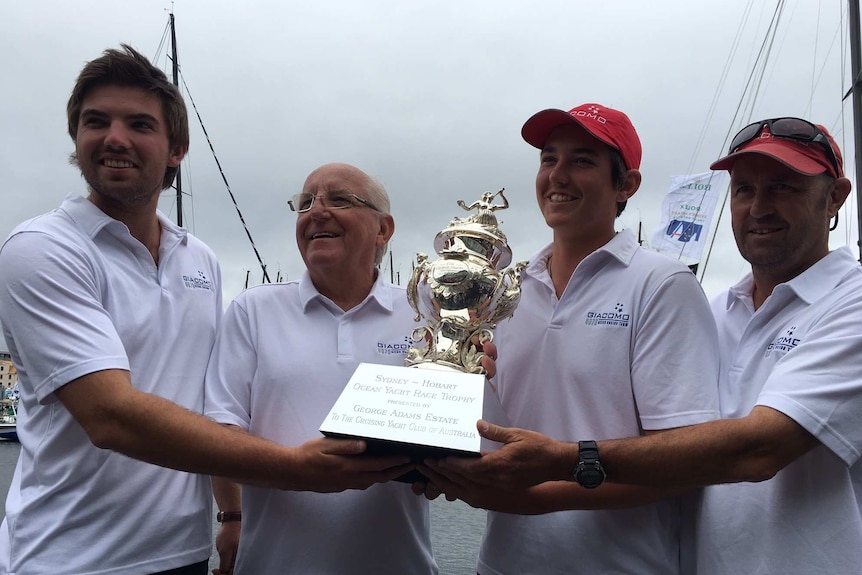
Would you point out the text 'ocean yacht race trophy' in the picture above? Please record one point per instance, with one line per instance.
(461, 295)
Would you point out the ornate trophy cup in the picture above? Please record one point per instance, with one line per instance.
(462, 296)
(464, 293)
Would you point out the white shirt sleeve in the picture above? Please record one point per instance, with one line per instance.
(231, 370)
(51, 297)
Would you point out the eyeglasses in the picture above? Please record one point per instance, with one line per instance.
(790, 128)
(334, 200)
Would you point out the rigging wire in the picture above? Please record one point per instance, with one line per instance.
(851, 209)
(757, 69)
(819, 76)
(764, 65)
(814, 63)
(187, 184)
(186, 161)
(712, 109)
(162, 42)
(716, 96)
(227, 185)
(837, 126)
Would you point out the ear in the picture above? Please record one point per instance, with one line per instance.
(176, 156)
(387, 229)
(631, 183)
(838, 194)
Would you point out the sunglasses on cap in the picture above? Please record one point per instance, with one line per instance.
(790, 128)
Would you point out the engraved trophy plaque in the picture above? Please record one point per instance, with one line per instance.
(461, 295)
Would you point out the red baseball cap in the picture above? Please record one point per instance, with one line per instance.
(809, 158)
(609, 126)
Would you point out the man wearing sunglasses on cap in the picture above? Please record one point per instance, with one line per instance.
(784, 470)
(609, 340)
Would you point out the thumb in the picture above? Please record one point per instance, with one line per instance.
(496, 433)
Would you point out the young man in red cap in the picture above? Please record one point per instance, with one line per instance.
(785, 463)
(609, 340)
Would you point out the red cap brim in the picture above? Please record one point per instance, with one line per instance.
(540, 125)
(794, 155)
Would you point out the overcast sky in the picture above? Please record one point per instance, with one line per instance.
(429, 97)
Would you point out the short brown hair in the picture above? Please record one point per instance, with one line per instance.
(618, 176)
(129, 68)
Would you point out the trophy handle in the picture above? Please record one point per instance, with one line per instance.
(413, 285)
(419, 354)
(470, 356)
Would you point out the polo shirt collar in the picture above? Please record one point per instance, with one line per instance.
(742, 292)
(379, 294)
(622, 247)
(810, 285)
(93, 220)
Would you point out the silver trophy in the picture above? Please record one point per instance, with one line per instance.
(462, 296)
(465, 292)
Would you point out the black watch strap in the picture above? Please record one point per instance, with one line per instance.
(588, 451)
(228, 516)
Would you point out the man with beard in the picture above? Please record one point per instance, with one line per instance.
(110, 311)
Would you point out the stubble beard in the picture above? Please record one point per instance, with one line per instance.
(134, 196)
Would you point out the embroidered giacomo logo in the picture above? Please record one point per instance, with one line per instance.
(616, 318)
(783, 343)
(397, 348)
(592, 113)
(199, 281)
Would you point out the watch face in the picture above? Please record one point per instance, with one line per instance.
(590, 477)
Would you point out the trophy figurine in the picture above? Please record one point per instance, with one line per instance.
(464, 293)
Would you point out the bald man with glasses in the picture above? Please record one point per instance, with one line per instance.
(282, 357)
(783, 465)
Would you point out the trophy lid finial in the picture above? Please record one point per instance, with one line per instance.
(478, 234)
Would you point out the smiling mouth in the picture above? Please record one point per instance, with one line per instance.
(110, 163)
(560, 198)
(764, 231)
(321, 235)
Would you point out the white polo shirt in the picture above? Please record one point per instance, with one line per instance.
(281, 359)
(79, 294)
(630, 346)
(801, 354)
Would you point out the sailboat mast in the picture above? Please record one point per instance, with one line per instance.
(176, 66)
(856, 74)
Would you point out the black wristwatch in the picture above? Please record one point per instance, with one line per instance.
(228, 516)
(589, 472)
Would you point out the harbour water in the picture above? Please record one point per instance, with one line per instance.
(456, 528)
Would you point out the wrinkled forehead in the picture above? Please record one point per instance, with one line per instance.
(758, 165)
(335, 177)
